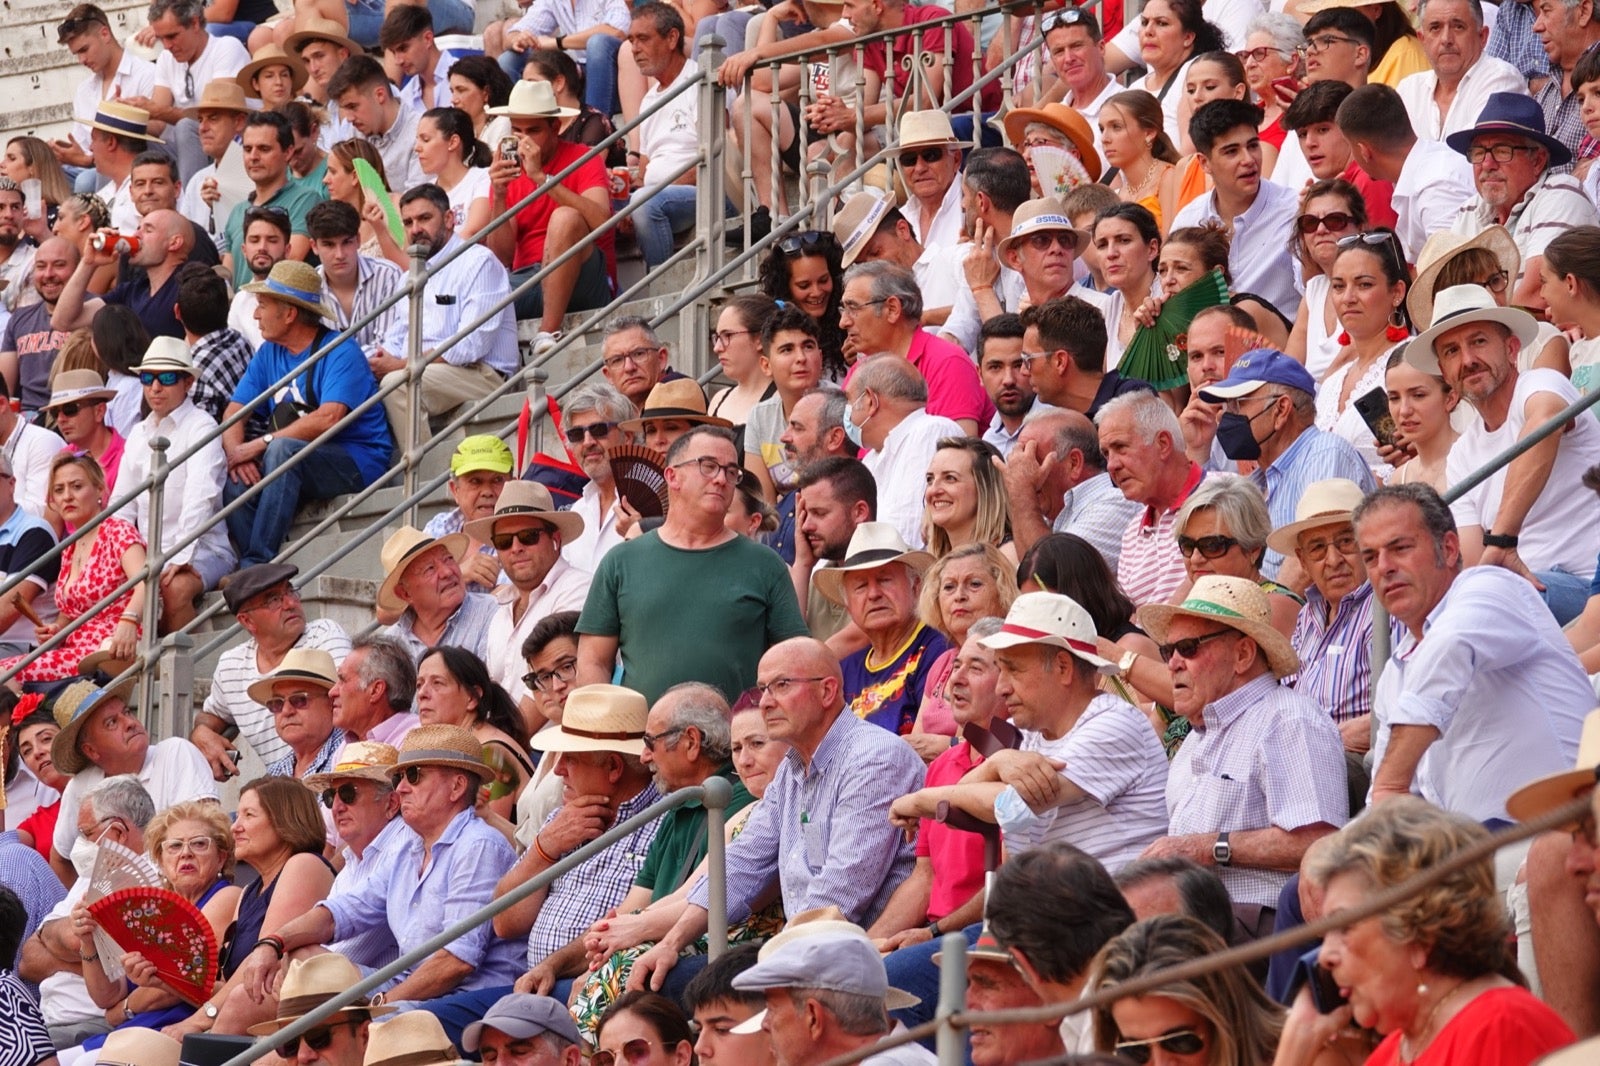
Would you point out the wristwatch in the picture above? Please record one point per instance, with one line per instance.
(209, 1010)
(1125, 663)
(1499, 540)
(1222, 851)
(266, 438)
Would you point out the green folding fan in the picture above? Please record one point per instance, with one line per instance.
(1157, 354)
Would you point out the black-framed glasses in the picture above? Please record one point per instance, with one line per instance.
(930, 154)
(1502, 153)
(724, 337)
(636, 356)
(1324, 41)
(1496, 282)
(540, 680)
(1067, 16)
(806, 242)
(651, 739)
(1178, 1042)
(316, 1039)
(1189, 647)
(779, 686)
(597, 430)
(412, 774)
(1333, 221)
(168, 378)
(345, 793)
(1211, 547)
(709, 468)
(298, 700)
(1344, 544)
(525, 537)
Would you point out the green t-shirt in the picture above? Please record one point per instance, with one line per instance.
(294, 198)
(680, 843)
(678, 615)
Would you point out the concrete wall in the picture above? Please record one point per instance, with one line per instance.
(37, 75)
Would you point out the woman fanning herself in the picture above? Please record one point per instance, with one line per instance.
(972, 582)
(807, 269)
(1193, 250)
(340, 181)
(1420, 405)
(1128, 243)
(965, 501)
(1134, 143)
(454, 688)
(456, 160)
(1368, 290)
(91, 569)
(1330, 210)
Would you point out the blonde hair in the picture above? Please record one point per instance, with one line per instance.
(992, 523)
(77, 353)
(348, 151)
(218, 828)
(1000, 572)
(91, 468)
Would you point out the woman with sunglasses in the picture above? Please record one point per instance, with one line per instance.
(1221, 1018)
(807, 270)
(1222, 529)
(1367, 288)
(1270, 53)
(1140, 153)
(736, 342)
(1127, 242)
(191, 843)
(1421, 405)
(1330, 210)
(454, 688)
(1171, 34)
(643, 1029)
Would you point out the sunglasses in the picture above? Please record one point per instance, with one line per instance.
(346, 794)
(1070, 16)
(168, 378)
(298, 700)
(931, 154)
(412, 774)
(599, 431)
(525, 537)
(70, 410)
(1182, 1042)
(806, 242)
(316, 1039)
(633, 1051)
(1212, 547)
(1189, 647)
(1332, 222)
(1041, 242)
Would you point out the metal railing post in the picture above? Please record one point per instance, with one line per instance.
(414, 366)
(710, 202)
(951, 1044)
(154, 559)
(718, 795)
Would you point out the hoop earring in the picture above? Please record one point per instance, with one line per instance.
(1396, 331)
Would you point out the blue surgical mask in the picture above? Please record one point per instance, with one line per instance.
(852, 430)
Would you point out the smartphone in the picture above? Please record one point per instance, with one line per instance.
(1325, 994)
(1373, 407)
(510, 150)
(1288, 88)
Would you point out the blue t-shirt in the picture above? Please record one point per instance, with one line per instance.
(341, 377)
(889, 695)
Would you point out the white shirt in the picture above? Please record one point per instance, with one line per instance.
(599, 531)
(119, 199)
(669, 137)
(1494, 674)
(964, 323)
(564, 588)
(192, 207)
(1322, 344)
(411, 92)
(1091, 114)
(474, 185)
(398, 149)
(63, 997)
(1259, 255)
(460, 292)
(192, 487)
(901, 470)
(1488, 75)
(173, 771)
(133, 77)
(1554, 204)
(1562, 529)
(236, 671)
(26, 794)
(242, 318)
(1348, 423)
(30, 448)
(1434, 182)
(945, 229)
(220, 60)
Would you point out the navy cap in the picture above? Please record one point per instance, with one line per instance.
(1258, 367)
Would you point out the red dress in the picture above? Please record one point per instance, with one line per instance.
(1501, 1027)
(102, 574)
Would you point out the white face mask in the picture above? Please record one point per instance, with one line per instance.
(84, 854)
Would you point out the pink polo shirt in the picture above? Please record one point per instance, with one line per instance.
(954, 390)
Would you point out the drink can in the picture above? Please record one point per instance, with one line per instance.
(120, 243)
(621, 182)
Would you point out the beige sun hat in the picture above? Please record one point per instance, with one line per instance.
(414, 1038)
(597, 718)
(1552, 790)
(1323, 503)
(77, 386)
(320, 29)
(526, 499)
(220, 94)
(270, 55)
(533, 99)
(442, 745)
(858, 220)
(313, 666)
(1053, 619)
(1236, 602)
(1444, 246)
(166, 353)
(368, 760)
(919, 128)
(679, 398)
(1041, 216)
(403, 546)
(139, 1047)
(1462, 305)
(311, 982)
(872, 545)
(73, 707)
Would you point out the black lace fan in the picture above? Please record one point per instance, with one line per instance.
(641, 478)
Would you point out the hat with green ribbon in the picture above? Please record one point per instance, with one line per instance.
(1236, 602)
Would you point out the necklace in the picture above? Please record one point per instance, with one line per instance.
(1407, 1054)
(1136, 191)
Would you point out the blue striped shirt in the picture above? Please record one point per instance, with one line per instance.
(1336, 653)
(1315, 455)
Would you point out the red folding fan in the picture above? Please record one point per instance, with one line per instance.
(166, 929)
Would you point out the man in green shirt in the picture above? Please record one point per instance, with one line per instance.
(267, 141)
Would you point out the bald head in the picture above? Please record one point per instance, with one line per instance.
(172, 232)
(805, 654)
(804, 693)
(892, 378)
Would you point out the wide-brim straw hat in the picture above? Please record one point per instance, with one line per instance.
(858, 220)
(533, 99)
(103, 661)
(220, 95)
(679, 398)
(166, 353)
(1236, 602)
(1552, 790)
(312, 666)
(270, 55)
(1065, 121)
(320, 29)
(414, 1038)
(125, 120)
(872, 545)
(368, 760)
(1052, 619)
(294, 283)
(404, 545)
(442, 745)
(597, 718)
(1462, 305)
(919, 128)
(527, 499)
(72, 709)
(77, 386)
(1323, 503)
(311, 982)
(140, 1047)
(1043, 215)
(1444, 246)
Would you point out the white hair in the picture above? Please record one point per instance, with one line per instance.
(1150, 414)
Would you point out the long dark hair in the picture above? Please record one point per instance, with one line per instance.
(773, 280)
(494, 703)
(454, 122)
(119, 337)
(486, 74)
(1207, 37)
(1065, 563)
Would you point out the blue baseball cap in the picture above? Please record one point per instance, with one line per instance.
(1258, 367)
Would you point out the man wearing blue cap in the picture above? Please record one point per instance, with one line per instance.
(1269, 415)
(522, 1029)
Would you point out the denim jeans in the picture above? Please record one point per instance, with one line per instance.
(451, 16)
(912, 970)
(239, 31)
(366, 17)
(600, 73)
(663, 212)
(1564, 593)
(259, 527)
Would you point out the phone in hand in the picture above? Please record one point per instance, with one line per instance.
(1373, 407)
(1325, 994)
(1288, 88)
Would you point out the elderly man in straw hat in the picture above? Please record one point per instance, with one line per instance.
(422, 583)
(359, 796)
(291, 315)
(528, 533)
(1262, 775)
(339, 1039)
(296, 695)
(869, 227)
(930, 160)
(78, 398)
(443, 870)
(189, 499)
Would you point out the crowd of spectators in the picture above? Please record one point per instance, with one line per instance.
(1023, 580)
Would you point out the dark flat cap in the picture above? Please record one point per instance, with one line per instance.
(237, 589)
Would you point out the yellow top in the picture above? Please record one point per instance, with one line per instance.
(1404, 57)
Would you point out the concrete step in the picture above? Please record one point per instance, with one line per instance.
(37, 75)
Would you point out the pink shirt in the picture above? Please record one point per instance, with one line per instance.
(954, 390)
(957, 856)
